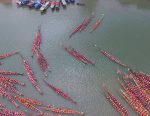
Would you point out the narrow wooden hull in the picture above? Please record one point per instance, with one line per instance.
(97, 24)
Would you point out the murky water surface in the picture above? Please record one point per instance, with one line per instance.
(124, 32)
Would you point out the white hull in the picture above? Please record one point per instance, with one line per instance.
(45, 6)
(63, 2)
(52, 4)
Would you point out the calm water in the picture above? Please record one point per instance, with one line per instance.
(125, 32)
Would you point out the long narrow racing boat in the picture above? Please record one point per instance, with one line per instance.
(142, 82)
(28, 105)
(30, 74)
(74, 55)
(8, 112)
(77, 29)
(42, 62)
(60, 92)
(83, 57)
(134, 103)
(44, 114)
(13, 81)
(142, 77)
(86, 22)
(8, 96)
(34, 47)
(39, 37)
(113, 58)
(10, 88)
(4, 72)
(98, 22)
(36, 42)
(3, 56)
(64, 111)
(115, 102)
(30, 101)
(137, 92)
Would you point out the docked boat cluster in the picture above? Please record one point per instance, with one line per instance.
(43, 5)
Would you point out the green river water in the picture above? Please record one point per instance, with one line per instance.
(124, 32)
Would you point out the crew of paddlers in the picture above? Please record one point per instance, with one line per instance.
(135, 85)
(9, 90)
(43, 5)
(85, 23)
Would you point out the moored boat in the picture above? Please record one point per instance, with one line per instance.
(52, 4)
(64, 3)
(45, 6)
(31, 4)
(18, 3)
(57, 4)
(72, 1)
(67, 1)
(22, 2)
(37, 4)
